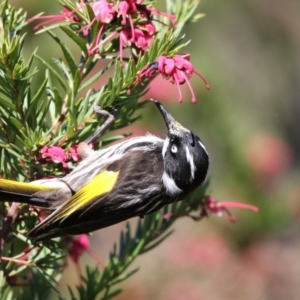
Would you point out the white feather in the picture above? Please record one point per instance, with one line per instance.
(190, 160)
(170, 185)
(165, 146)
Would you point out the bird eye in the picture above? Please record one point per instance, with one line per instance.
(174, 149)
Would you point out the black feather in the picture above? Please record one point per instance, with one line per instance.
(6, 196)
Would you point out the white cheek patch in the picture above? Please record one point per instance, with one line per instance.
(190, 160)
(165, 146)
(170, 185)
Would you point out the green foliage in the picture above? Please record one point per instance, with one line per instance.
(60, 112)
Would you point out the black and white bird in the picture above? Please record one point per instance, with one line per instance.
(132, 178)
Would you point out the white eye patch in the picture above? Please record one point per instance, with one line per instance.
(174, 148)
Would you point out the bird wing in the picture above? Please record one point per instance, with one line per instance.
(101, 184)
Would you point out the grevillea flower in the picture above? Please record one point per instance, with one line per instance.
(139, 38)
(104, 13)
(79, 245)
(115, 20)
(66, 15)
(177, 69)
(212, 206)
(73, 153)
(55, 154)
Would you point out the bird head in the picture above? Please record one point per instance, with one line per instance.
(185, 157)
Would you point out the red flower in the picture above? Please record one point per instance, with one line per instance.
(79, 245)
(55, 154)
(212, 206)
(177, 69)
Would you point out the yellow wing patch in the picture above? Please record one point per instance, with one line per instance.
(98, 186)
(23, 187)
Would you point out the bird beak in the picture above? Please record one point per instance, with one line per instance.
(170, 122)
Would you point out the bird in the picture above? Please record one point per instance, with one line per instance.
(132, 178)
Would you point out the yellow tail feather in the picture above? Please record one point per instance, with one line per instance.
(22, 187)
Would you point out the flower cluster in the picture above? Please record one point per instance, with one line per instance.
(130, 20)
(59, 155)
(177, 69)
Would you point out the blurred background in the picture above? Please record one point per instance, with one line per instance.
(249, 52)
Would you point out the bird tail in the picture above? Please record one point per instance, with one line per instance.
(22, 192)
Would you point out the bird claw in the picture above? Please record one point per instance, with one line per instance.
(110, 119)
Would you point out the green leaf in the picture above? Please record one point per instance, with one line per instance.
(76, 38)
(6, 103)
(67, 54)
(58, 101)
(53, 71)
(76, 82)
(96, 76)
(35, 99)
(112, 294)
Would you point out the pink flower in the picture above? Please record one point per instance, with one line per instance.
(139, 37)
(103, 10)
(171, 17)
(79, 245)
(177, 69)
(66, 15)
(73, 153)
(212, 206)
(104, 13)
(115, 20)
(123, 8)
(55, 154)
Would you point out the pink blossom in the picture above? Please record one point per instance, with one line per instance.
(79, 245)
(55, 154)
(104, 13)
(171, 17)
(73, 153)
(103, 10)
(212, 206)
(66, 15)
(177, 69)
(123, 8)
(138, 36)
